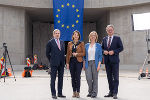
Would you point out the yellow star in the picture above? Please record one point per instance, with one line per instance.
(72, 25)
(56, 15)
(77, 21)
(58, 10)
(73, 6)
(62, 6)
(78, 16)
(58, 21)
(68, 4)
(62, 25)
(77, 10)
(67, 26)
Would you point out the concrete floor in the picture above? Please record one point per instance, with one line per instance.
(38, 88)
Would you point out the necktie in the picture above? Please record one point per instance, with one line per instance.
(58, 44)
(109, 42)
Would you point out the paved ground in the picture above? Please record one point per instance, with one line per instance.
(37, 87)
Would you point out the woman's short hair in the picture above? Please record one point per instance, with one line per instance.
(93, 32)
(78, 34)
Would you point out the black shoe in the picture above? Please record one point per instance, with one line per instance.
(115, 96)
(54, 97)
(61, 96)
(108, 95)
(93, 96)
(89, 95)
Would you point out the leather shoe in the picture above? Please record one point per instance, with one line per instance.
(61, 96)
(115, 96)
(89, 95)
(54, 97)
(108, 95)
(93, 96)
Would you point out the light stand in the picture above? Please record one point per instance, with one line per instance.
(5, 55)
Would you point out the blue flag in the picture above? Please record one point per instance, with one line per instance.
(68, 17)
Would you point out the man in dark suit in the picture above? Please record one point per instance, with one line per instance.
(55, 51)
(112, 46)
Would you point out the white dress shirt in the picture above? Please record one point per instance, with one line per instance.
(110, 41)
(91, 52)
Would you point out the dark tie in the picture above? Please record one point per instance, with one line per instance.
(109, 42)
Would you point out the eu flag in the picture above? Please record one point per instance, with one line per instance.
(68, 17)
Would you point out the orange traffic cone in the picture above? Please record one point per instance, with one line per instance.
(9, 72)
(23, 73)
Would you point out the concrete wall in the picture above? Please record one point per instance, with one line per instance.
(42, 33)
(87, 3)
(101, 25)
(28, 37)
(134, 41)
(87, 28)
(12, 31)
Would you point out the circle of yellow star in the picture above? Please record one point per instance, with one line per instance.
(73, 25)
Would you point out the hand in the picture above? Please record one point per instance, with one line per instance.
(111, 52)
(98, 68)
(74, 54)
(106, 52)
(67, 66)
(83, 65)
(83, 68)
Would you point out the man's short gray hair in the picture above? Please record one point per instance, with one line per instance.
(110, 25)
(56, 30)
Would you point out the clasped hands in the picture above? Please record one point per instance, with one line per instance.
(109, 52)
(74, 54)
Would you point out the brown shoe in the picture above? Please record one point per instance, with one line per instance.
(74, 94)
(77, 95)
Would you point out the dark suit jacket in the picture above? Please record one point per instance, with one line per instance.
(116, 46)
(54, 55)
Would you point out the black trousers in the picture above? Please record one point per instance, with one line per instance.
(75, 70)
(54, 70)
(112, 71)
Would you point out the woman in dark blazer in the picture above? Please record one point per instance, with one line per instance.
(74, 61)
(92, 62)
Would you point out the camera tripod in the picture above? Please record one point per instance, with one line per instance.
(5, 55)
(143, 72)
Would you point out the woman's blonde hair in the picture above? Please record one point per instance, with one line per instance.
(78, 34)
(93, 32)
